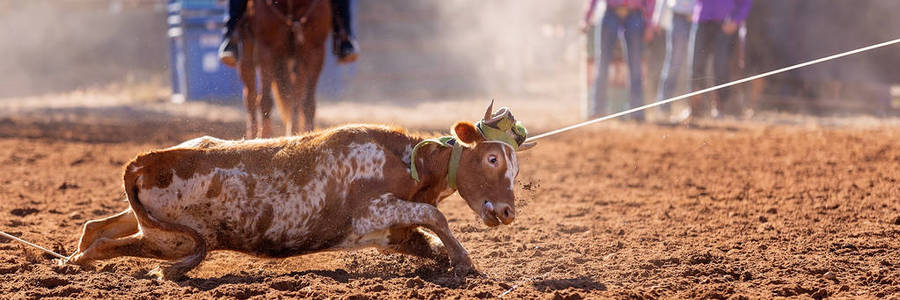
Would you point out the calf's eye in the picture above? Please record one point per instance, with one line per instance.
(492, 159)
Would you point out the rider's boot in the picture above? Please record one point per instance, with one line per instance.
(344, 44)
(228, 50)
(345, 48)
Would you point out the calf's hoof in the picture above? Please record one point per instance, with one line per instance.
(64, 261)
(168, 273)
(76, 258)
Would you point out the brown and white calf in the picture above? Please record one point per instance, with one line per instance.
(342, 188)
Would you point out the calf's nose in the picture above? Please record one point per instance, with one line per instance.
(505, 213)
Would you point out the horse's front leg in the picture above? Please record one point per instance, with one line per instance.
(247, 72)
(372, 227)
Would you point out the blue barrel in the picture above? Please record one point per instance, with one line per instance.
(195, 32)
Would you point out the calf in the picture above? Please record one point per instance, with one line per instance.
(343, 188)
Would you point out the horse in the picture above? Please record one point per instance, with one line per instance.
(283, 43)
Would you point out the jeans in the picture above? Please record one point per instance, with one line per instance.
(340, 10)
(709, 39)
(633, 27)
(236, 9)
(677, 39)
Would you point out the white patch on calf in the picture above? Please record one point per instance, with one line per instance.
(369, 160)
(171, 203)
(512, 166)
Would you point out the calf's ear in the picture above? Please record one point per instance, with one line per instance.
(467, 133)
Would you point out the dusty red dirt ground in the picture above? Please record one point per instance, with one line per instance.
(617, 210)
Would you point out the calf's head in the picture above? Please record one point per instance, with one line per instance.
(486, 175)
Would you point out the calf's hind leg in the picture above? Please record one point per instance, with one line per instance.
(169, 242)
(116, 226)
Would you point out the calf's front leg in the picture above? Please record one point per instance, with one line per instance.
(389, 212)
(417, 241)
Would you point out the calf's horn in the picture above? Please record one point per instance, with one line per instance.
(487, 114)
(526, 146)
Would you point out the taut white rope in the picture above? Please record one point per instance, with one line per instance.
(7, 235)
(707, 90)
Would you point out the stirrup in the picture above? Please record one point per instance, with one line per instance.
(228, 53)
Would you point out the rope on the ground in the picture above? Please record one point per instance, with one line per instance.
(714, 88)
(12, 237)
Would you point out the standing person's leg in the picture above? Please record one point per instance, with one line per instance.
(609, 32)
(677, 39)
(345, 46)
(700, 52)
(228, 50)
(634, 44)
(591, 69)
(722, 49)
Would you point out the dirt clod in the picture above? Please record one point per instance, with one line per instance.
(21, 212)
(66, 186)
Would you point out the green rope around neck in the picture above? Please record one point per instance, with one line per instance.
(444, 141)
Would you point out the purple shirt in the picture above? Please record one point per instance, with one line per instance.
(721, 10)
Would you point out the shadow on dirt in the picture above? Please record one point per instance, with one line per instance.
(435, 274)
(206, 284)
(583, 283)
(138, 132)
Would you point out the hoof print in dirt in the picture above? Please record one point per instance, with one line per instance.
(21, 212)
(51, 281)
(14, 268)
(465, 271)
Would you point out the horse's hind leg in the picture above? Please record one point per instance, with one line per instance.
(264, 59)
(247, 71)
(308, 75)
